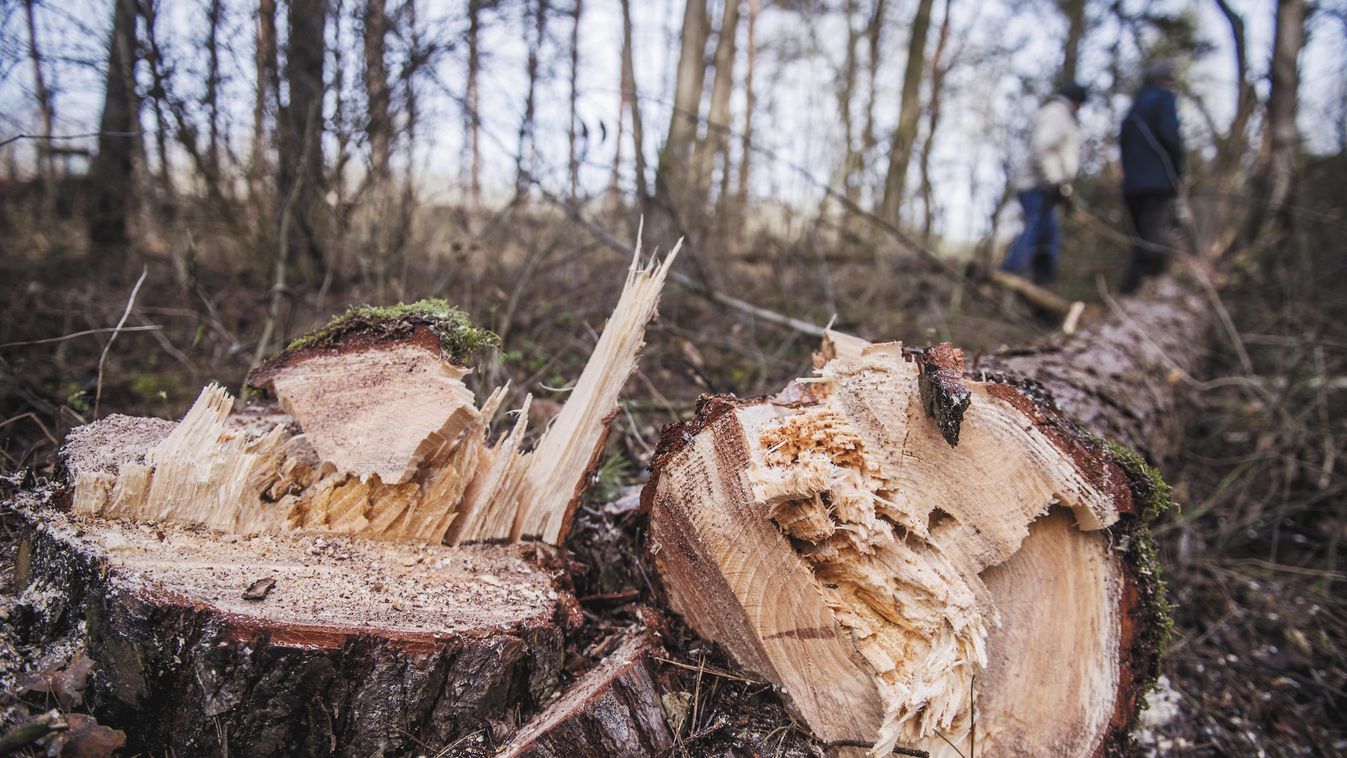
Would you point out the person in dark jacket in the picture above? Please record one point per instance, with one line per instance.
(1152, 164)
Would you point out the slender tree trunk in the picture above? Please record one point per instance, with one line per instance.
(750, 103)
(671, 178)
(112, 171)
(267, 87)
(905, 134)
(1282, 104)
(873, 36)
(633, 100)
(45, 106)
(525, 160)
(301, 157)
(846, 92)
(471, 122)
(379, 127)
(939, 67)
(1074, 10)
(573, 156)
(1232, 146)
(718, 117)
(614, 194)
(214, 17)
(158, 96)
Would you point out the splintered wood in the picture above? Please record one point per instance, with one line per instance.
(903, 550)
(379, 438)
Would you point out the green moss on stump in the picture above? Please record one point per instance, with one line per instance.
(459, 337)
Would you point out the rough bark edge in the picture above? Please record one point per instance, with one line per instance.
(432, 324)
(97, 607)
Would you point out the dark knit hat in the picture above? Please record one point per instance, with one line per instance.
(1075, 92)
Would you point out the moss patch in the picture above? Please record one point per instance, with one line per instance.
(459, 337)
(1151, 491)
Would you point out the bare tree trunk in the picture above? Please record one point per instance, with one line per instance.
(718, 117)
(1278, 175)
(379, 127)
(633, 100)
(614, 193)
(158, 95)
(573, 157)
(1232, 146)
(873, 36)
(846, 92)
(301, 156)
(904, 136)
(1074, 10)
(267, 87)
(471, 120)
(214, 17)
(750, 103)
(526, 159)
(939, 67)
(112, 172)
(45, 106)
(671, 177)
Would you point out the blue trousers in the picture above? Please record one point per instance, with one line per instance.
(1035, 252)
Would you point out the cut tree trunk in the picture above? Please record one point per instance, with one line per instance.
(276, 580)
(292, 644)
(926, 557)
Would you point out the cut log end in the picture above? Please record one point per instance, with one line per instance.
(898, 588)
(284, 644)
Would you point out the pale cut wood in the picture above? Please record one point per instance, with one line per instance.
(844, 536)
(376, 410)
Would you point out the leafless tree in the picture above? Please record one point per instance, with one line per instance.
(112, 172)
(904, 135)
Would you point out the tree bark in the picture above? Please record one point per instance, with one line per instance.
(301, 155)
(830, 493)
(46, 107)
(471, 118)
(718, 117)
(526, 159)
(214, 17)
(112, 171)
(573, 155)
(343, 646)
(905, 134)
(267, 87)
(672, 180)
(1282, 105)
(379, 127)
(750, 103)
(1074, 10)
(939, 68)
(632, 97)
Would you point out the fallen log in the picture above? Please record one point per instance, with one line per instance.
(936, 559)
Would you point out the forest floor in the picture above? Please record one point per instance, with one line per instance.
(1257, 665)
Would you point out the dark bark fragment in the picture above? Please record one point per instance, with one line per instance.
(943, 393)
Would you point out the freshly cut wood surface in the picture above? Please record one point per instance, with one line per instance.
(377, 409)
(844, 541)
(613, 711)
(347, 645)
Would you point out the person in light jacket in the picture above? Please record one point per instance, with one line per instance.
(1152, 162)
(1054, 156)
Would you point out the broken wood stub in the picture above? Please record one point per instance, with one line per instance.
(613, 711)
(943, 393)
(358, 646)
(896, 586)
